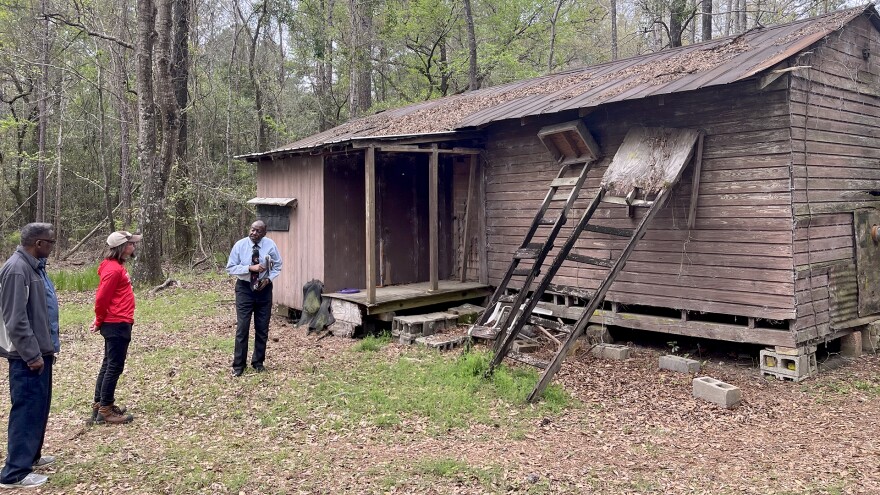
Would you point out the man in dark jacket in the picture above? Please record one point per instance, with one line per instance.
(27, 342)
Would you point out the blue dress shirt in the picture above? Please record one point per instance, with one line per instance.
(240, 258)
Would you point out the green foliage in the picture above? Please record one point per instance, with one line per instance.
(446, 393)
(372, 343)
(75, 280)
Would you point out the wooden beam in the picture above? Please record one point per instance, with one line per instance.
(370, 218)
(695, 187)
(466, 230)
(411, 148)
(482, 248)
(433, 217)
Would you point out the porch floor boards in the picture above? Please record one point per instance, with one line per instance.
(407, 296)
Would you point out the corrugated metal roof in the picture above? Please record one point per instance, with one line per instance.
(712, 63)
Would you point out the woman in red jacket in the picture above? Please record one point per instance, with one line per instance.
(114, 317)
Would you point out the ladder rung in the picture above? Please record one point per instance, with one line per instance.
(482, 332)
(525, 272)
(622, 201)
(567, 290)
(590, 260)
(610, 230)
(507, 299)
(547, 221)
(560, 196)
(565, 182)
(526, 359)
(528, 253)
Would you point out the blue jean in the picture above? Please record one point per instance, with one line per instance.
(247, 303)
(31, 396)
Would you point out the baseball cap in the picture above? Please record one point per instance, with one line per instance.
(120, 237)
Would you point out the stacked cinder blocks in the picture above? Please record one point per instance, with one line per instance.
(408, 328)
(717, 392)
(792, 364)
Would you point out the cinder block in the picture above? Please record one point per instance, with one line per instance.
(407, 338)
(679, 364)
(851, 345)
(442, 342)
(525, 347)
(788, 367)
(611, 351)
(467, 313)
(717, 392)
(871, 337)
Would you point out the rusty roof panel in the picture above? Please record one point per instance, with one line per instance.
(712, 63)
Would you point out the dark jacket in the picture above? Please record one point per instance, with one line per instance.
(24, 307)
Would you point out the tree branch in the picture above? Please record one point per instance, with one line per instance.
(60, 19)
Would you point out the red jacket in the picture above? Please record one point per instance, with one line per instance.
(114, 301)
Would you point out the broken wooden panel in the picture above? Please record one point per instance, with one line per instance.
(868, 259)
(569, 141)
(649, 159)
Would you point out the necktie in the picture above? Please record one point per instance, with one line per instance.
(255, 259)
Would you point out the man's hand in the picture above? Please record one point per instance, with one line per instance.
(37, 366)
(257, 268)
(93, 328)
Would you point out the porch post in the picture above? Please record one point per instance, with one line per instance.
(433, 217)
(370, 219)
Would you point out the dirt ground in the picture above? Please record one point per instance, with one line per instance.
(638, 429)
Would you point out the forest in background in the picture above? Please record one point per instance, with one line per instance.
(128, 114)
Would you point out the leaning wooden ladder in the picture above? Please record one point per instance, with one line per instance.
(575, 150)
(648, 163)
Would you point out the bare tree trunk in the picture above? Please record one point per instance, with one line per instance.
(360, 95)
(262, 128)
(728, 18)
(473, 79)
(553, 20)
(743, 19)
(42, 103)
(102, 160)
(180, 77)
(120, 88)
(707, 20)
(614, 49)
(59, 148)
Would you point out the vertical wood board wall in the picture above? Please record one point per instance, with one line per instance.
(302, 247)
(835, 112)
(737, 260)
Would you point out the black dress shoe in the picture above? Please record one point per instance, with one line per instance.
(260, 368)
(237, 372)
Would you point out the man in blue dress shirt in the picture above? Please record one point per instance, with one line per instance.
(256, 262)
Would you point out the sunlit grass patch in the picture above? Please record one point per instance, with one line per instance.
(426, 386)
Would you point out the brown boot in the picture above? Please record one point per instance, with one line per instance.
(96, 418)
(112, 415)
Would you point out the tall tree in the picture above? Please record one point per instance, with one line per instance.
(158, 126)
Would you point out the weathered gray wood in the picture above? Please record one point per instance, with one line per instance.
(370, 185)
(695, 182)
(469, 209)
(433, 218)
(482, 234)
(867, 261)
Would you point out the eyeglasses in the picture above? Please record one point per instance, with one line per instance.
(50, 241)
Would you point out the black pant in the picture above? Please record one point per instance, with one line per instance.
(31, 395)
(117, 337)
(248, 302)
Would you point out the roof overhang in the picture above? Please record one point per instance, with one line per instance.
(291, 202)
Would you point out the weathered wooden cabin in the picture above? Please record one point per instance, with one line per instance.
(769, 237)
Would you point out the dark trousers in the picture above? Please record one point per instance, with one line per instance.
(31, 396)
(258, 304)
(117, 337)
